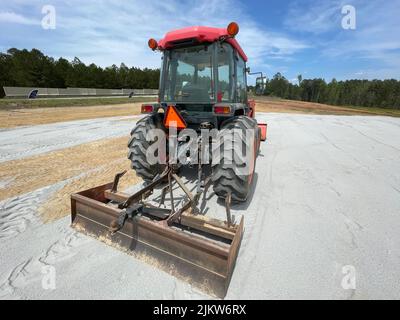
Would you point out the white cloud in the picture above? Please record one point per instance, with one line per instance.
(262, 45)
(316, 17)
(374, 42)
(11, 17)
(107, 32)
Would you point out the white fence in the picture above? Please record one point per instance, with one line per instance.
(23, 92)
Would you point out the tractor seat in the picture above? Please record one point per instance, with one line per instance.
(194, 93)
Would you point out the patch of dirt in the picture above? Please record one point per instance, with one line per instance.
(26, 117)
(291, 106)
(59, 204)
(95, 163)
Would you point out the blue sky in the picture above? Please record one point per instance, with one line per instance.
(293, 37)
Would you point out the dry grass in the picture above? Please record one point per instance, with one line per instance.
(26, 117)
(69, 102)
(265, 104)
(101, 160)
(58, 205)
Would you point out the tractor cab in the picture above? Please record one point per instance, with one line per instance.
(203, 74)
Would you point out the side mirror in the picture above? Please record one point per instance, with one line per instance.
(248, 69)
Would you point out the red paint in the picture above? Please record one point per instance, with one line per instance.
(201, 34)
(252, 108)
(147, 108)
(220, 95)
(263, 127)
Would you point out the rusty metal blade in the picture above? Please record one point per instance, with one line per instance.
(204, 259)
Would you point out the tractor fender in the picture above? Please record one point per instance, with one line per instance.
(263, 127)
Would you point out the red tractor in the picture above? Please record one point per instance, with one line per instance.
(203, 78)
(202, 88)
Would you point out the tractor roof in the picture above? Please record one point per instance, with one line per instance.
(200, 35)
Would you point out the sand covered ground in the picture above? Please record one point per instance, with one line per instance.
(12, 117)
(326, 195)
(35, 116)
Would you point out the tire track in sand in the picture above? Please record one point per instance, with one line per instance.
(36, 172)
(29, 272)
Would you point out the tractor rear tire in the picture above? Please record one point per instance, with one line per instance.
(138, 146)
(225, 178)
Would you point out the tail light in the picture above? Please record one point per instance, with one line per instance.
(147, 108)
(222, 110)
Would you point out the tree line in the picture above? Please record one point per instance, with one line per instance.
(363, 93)
(24, 68)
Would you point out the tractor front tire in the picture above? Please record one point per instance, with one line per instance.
(228, 176)
(138, 146)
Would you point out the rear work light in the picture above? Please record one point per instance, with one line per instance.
(233, 29)
(153, 44)
(222, 110)
(147, 108)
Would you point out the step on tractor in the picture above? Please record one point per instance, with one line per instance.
(202, 108)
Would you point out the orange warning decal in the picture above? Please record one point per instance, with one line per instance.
(174, 119)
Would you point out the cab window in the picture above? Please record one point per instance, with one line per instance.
(225, 73)
(240, 80)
